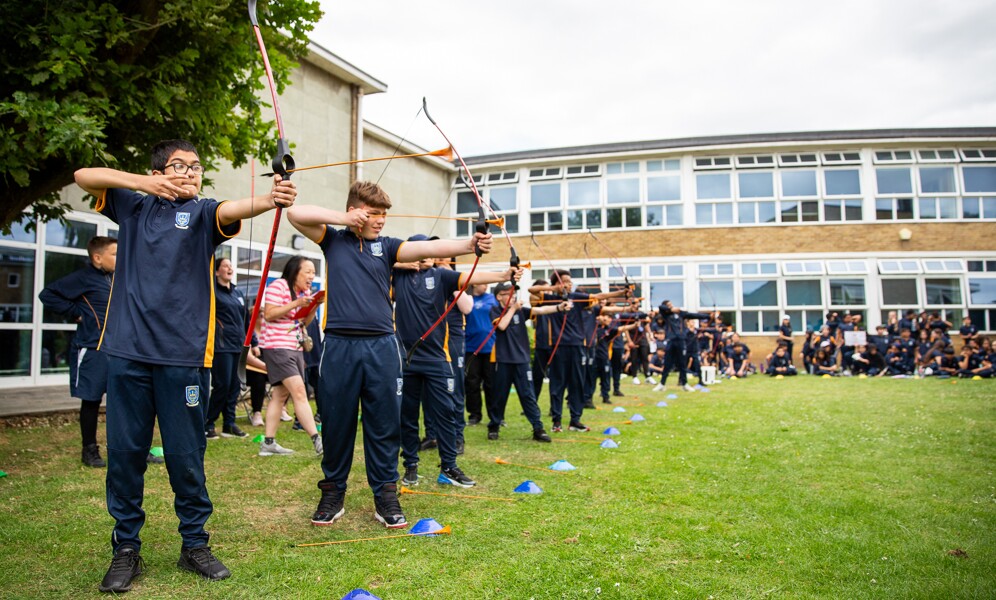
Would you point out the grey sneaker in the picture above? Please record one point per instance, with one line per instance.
(319, 449)
(273, 449)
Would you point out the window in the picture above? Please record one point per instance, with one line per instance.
(712, 162)
(714, 214)
(803, 292)
(544, 195)
(936, 155)
(803, 320)
(713, 269)
(546, 221)
(931, 265)
(840, 267)
(750, 162)
(937, 180)
(716, 294)
(757, 321)
(842, 210)
(624, 217)
(982, 291)
(69, 234)
(797, 160)
(798, 184)
(893, 181)
(795, 212)
(667, 290)
(664, 188)
(978, 208)
(712, 186)
(887, 267)
(667, 270)
(547, 173)
(669, 215)
(810, 267)
(979, 180)
(978, 154)
(943, 291)
(899, 292)
(671, 164)
(841, 158)
(759, 292)
(894, 156)
(581, 219)
(622, 167)
(756, 212)
(583, 193)
(502, 199)
(756, 185)
(466, 203)
(584, 171)
(937, 208)
(893, 209)
(982, 266)
(19, 233)
(842, 182)
(764, 268)
(622, 191)
(847, 292)
(506, 177)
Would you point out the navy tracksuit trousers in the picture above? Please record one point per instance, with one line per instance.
(567, 373)
(522, 376)
(137, 394)
(225, 389)
(430, 385)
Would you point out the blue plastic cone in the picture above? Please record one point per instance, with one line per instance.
(528, 487)
(672, 396)
(608, 443)
(661, 404)
(611, 431)
(562, 465)
(360, 594)
(706, 390)
(618, 409)
(636, 418)
(426, 527)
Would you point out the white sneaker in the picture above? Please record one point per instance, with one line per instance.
(274, 449)
(659, 387)
(284, 416)
(650, 381)
(688, 388)
(319, 449)
(256, 419)
(636, 381)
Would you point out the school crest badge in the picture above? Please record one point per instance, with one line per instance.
(401, 384)
(430, 283)
(377, 249)
(450, 384)
(515, 319)
(460, 362)
(182, 220)
(529, 375)
(193, 394)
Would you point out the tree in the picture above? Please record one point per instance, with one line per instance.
(87, 83)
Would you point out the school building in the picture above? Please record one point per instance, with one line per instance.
(762, 226)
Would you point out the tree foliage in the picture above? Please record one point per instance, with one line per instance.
(87, 83)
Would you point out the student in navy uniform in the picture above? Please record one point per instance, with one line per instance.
(159, 338)
(674, 332)
(785, 335)
(967, 330)
(83, 296)
(361, 357)
(542, 342)
(511, 356)
(780, 363)
(230, 326)
(566, 370)
(421, 294)
(479, 372)
(607, 357)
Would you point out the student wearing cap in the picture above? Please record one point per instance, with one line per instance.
(785, 335)
(361, 358)
(511, 357)
(420, 296)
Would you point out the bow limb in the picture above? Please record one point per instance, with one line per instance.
(281, 164)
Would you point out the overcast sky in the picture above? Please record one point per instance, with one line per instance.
(517, 75)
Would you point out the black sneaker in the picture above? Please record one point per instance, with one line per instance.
(211, 434)
(454, 476)
(427, 444)
(618, 393)
(579, 426)
(91, 457)
(474, 420)
(411, 476)
(330, 507)
(230, 431)
(297, 426)
(387, 509)
(606, 401)
(589, 404)
(541, 436)
(125, 566)
(152, 459)
(460, 446)
(201, 561)
(492, 435)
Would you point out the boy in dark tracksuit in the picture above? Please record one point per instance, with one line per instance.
(361, 358)
(511, 356)
(159, 339)
(420, 295)
(83, 296)
(674, 333)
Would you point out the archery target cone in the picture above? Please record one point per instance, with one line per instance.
(426, 526)
(779, 376)
(637, 418)
(976, 378)
(661, 404)
(672, 396)
(826, 376)
(608, 443)
(706, 390)
(618, 409)
(528, 487)
(862, 376)
(611, 431)
(360, 594)
(562, 465)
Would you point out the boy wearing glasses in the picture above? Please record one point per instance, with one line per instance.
(159, 340)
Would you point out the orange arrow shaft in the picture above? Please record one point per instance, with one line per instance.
(445, 153)
(443, 531)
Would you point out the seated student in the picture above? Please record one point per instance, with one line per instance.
(968, 331)
(949, 364)
(935, 322)
(868, 360)
(780, 363)
(894, 361)
(880, 338)
(808, 352)
(988, 360)
(932, 356)
(907, 348)
(970, 363)
(739, 360)
(656, 365)
(824, 361)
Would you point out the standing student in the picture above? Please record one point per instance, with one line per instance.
(511, 355)
(674, 332)
(361, 359)
(785, 336)
(284, 341)
(159, 340)
(479, 371)
(420, 296)
(229, 333)
(542, 342)
(83, 296)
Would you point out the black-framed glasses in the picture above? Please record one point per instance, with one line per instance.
(181, 168)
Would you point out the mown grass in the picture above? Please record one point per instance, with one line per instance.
(799, 488)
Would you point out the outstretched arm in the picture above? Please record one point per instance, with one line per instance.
(411, 251)
(282, 194)
(311, 220)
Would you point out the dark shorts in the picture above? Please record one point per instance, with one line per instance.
(282, 364)
(87, 374)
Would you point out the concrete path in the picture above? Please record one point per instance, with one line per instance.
(36, 400)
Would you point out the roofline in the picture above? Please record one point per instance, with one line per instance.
(403, 146)
(724, 142)
(342, 69)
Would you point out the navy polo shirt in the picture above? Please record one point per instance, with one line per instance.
(358, 274)
(572, 321)
(230, 316)
(512, 345)
(82, 294)
(420, 297)
(967, 330)
(543, 326)
(162, 305)
(606, 336)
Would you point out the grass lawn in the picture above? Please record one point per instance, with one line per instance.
(795, 488)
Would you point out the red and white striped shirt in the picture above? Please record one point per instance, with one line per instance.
(281, 333)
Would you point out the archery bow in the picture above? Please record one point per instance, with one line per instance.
(564, 295)
(282, 163)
